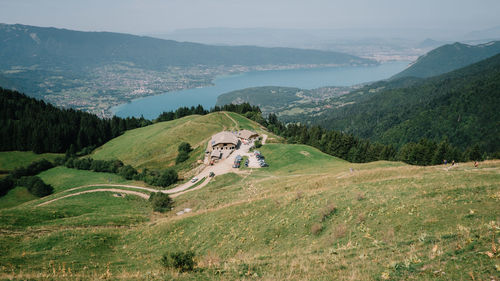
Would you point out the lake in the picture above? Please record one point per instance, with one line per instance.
(151, 107)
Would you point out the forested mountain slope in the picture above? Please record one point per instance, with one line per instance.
(448, 58)
(461, 106)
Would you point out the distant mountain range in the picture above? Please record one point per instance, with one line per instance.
(42, 47)
(448, 58)
(94, 71)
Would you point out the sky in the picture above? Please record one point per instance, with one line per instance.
(159, 16)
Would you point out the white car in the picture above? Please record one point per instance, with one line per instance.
(193, 180)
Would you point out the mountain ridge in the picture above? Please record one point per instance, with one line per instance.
(449, 57)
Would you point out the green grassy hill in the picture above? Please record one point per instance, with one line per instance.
(155, 146)
(306, 217)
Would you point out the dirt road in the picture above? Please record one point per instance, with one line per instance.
(222, 167)
(140, 194)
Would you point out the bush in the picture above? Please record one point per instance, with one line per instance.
(128, 172)
(181, 157)
(183, 261)
(258, 144)
(166, 178)
(161, 202)
(316, 228)
(36, 186)
(330, 209)
(184, 146)
(6, 184)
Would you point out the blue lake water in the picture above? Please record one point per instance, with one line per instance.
(151, 107)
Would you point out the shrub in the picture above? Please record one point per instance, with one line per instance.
(258, 144)
(340, 231)
(316, 228)
(128, 172)
(6, 184)
(160, 202)
(360, 196)
(184, 146)
(36, 186)
(329, 210)
(181, 157)
(167, 177)
(183, 261)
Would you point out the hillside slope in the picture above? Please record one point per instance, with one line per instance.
(155, 146)
(448, 58)
(306, 217)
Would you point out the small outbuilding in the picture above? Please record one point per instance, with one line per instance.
(216, 155)
(247, 135)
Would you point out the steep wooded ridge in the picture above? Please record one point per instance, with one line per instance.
(461, 105)
(448, 58)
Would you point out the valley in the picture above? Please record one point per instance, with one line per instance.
(274, 140)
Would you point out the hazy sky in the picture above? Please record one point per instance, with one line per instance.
(156, 16)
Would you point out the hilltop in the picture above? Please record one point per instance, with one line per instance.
(448, 58)
(155, 146)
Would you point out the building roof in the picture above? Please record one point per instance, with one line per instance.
(246, 134)
(224, 137)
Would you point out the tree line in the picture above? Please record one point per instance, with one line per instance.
(354, 149)
(28, 124)
(25, 176)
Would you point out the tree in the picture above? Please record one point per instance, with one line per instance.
(167, 177)
(184, 146)
(127, 172)
(160, 202)
(181, 157)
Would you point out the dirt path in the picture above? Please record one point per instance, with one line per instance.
(113, 185)
(234, 121)
(264, 138)
(140, 194)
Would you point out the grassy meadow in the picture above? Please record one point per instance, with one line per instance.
(306, 217)
(9, 160)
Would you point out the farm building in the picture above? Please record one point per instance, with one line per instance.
(247, 135)
(224, 141)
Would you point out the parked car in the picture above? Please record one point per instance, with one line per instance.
(212, 174)
(195, 179)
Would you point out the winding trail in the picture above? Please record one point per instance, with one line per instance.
(140, 194)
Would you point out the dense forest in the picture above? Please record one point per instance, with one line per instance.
(354, 149)
(30, 124)
(461, 106)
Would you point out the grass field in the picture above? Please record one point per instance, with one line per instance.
(308, 216)
(9, 160)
